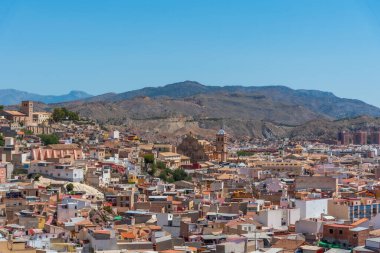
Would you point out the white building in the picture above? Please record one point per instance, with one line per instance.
(69, 208)
(312, 208)
(277, 218)
(115, 134)
(59, 171)
(169, 223)
(100, 240)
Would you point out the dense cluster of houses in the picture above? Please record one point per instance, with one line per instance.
(109, 191)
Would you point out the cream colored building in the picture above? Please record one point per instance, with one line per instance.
(170, 159)
(293, 168)
(353, 209)
(41, 117)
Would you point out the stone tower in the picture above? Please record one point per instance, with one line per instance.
(27, 109)
(221, 146)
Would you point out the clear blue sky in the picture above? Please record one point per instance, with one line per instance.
(51, 47)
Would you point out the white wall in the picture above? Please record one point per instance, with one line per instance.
(69, 173)
(312, 208)
(270, 218)
(293, 215)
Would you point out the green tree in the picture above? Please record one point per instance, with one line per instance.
(73, 116)
(161, 165)
(69, 187)
(28, 132)
(179, 174)
(243, 153)
(2, 142)
(62, 113)
(58, 114)
(163, 176)
(108, 209)
(170, 180)
(37, 177)
(48, 139)
(1, 107)
(149, 159)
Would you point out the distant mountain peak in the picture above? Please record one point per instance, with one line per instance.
(186, 83)
(13, 96)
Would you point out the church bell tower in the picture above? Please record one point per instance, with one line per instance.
(221, 145)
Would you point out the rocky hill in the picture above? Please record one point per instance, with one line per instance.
(173, 110)
(322, 103)
(246, 112)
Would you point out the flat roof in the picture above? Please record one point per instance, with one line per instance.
(358, 229)
(377, 239)
(15, 113)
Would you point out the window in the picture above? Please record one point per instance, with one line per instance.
(331, 231)
(355, 235)
(341, 232)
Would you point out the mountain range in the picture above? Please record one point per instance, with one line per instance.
(173, 110)
(12, 96)
(323, 103)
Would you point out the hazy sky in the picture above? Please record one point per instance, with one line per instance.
(52, 47)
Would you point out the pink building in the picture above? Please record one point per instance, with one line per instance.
(58, 151)
(3, 175)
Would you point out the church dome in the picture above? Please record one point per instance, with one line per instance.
(221, 132)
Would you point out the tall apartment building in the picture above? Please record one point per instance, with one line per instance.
(360, 138)
(346, 138)
(375, 137)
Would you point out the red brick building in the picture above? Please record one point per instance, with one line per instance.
(360, 138)
(346, 138)
(347, 236)
(375, 137)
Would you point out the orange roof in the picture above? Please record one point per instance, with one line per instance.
(104, 232)
(128, 235)
(153, 227)
(358, 222)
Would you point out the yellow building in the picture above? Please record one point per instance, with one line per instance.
(15, 245)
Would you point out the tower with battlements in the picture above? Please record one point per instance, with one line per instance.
(27, 109)
(221, 146)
